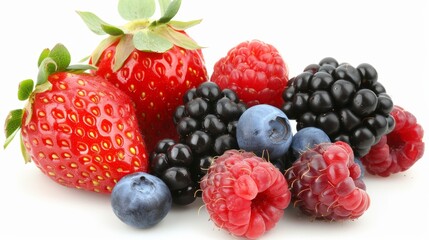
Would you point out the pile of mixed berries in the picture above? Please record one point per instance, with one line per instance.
(146, 124)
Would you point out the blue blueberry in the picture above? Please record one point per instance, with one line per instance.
(264, 129)
(141, 200)
(307, 138)
(362, 169)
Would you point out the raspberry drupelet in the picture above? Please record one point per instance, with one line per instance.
(244, 194)
(325, 183)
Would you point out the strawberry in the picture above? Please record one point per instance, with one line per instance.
(79, 129)
(255, 70)
(154, 61)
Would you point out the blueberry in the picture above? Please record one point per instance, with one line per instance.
(307, 138)
(141, 200)
(264, 128)
(362, 169)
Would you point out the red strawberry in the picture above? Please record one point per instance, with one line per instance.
(325, 183)
(79, 129)
(255, 71)
(244, 194)
(153, 61)
(398, 150)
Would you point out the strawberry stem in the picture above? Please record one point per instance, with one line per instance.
(136, 25)
(147, 35)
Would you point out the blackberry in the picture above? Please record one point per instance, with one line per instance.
(172, 163)
(207, 122)
(348, 103)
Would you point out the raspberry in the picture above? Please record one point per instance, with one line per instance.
(398, 150)
(348, 103)
(325, 183)
(255, 70)
(244, 194)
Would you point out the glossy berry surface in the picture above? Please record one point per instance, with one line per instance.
(207, 123)
(398, 150)
(156, 83)
(325, 183)
(141, 200)
(264, 129)
(154, 69)
(255, 70)
(307, 138)
(83, 133)
(347, 103)
(173, 163)
(244, 194)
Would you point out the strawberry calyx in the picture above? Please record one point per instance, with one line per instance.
(50, 61)
(141, 32)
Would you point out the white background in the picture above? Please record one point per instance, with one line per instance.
(390, 35)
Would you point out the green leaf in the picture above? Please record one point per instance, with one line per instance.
(39, 89)
(12, 125)
(43, 55)
(123, 50)
(112, 30)
(29, 106)
(25, 155)
(85, 59)
(101, 47)
(179, 25)
(163, 4)
(79, 68)
(178, 38)
(147, 40)
(136, 9)
(47, 67)
(170, 12)
(93, 22)
(25, 89)
(61, 57)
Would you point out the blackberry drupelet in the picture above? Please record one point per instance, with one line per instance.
(172, 163)
(206, 122)
(348, 103)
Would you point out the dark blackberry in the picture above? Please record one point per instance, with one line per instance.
(348, 103)
(172, 162)
(280, 163)
(206, 123)
(207, 120)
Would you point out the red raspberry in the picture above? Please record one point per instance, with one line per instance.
(255, 71)
(398, 150)
(325, 183)
(244, 194)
